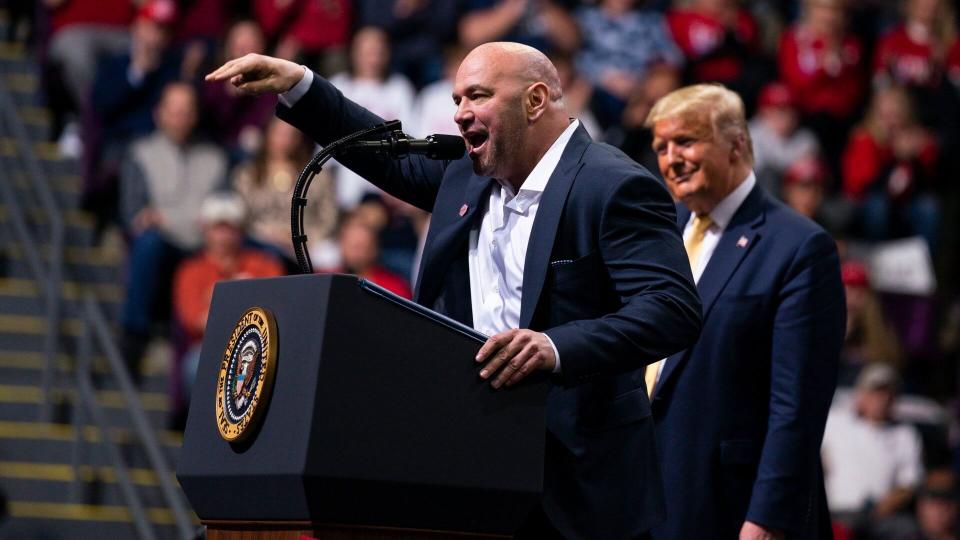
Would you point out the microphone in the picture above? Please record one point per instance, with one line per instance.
(399, 145)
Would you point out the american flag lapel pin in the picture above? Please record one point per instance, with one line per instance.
(463, 209)
(742, 242)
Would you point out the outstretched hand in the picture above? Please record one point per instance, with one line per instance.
(255, 74)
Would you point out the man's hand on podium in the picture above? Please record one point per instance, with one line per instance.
(514, 354)
(255, 74)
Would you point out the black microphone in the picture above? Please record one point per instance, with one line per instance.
(399, 145)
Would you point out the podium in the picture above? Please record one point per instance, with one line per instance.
(377, 425)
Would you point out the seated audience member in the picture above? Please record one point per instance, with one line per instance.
(631, 134)
(543, 24)
(266, 186)
(359, 253)
(915, 55)
(311, 31)
(222, 257)
(370, 84)
(889, 168)
(621, 44)
(870, 339)
(720, 41)
(165, 178)
(819, 60)
(433, 108)
(872, 464)
(418, 31)
(82, 32)
(938, 504)
(236, 121)
(778, 139)
(577, 94)
(126, 90)
(803, 186)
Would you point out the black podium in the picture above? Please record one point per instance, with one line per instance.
(377, 426)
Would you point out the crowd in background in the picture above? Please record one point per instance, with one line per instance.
(855, 117)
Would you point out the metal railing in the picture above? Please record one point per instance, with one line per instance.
(95, 334)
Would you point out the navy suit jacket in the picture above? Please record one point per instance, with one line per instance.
(605, 276)
(740, 415)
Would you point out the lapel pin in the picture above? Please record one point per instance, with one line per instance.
(741, 243)
(463, 209)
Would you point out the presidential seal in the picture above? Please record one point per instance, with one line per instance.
(246, 374)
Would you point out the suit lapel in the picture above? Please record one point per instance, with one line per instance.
(741, 234)
(448, 230)
(544, 231)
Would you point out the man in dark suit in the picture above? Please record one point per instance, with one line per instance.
(564, 249)
(740, 415)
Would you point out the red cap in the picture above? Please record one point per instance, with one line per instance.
(810, 170)
(776, 94)
(855, 274)
(162, 12)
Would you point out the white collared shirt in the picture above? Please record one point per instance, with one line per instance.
(721, 216)
(498, 245)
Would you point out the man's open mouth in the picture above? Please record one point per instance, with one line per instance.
(475, 142)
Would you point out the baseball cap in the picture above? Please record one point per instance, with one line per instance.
(874, 376)
(776, 94)
(854, 274)
(162, 12)
(226, 207)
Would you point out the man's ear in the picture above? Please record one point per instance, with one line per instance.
(536, 101)
(738, 147)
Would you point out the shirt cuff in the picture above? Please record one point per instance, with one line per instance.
(556, 367)
(293, 95)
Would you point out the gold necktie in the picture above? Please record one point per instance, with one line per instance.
(694, 243)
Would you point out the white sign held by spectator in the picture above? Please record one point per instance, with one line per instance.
(903, 267)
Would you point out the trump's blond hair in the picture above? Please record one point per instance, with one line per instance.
(722, 107)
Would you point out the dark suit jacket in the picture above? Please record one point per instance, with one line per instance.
(740, 415)
(605, 276)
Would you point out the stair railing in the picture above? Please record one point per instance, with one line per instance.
(49, 279)
(95, 331)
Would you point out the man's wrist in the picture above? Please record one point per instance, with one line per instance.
(298, 90)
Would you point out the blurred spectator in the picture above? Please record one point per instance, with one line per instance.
(721, 43)
(418, 31)
(631, 135)
(819, 61)
(889, 167)
(914, 52)
(223, 257)
(371, 84)
(359, 251)
(872, 464)
(126, 91)
(165, 179)
(266, 186)
(236, 121)
(543, 24)
(81, 33)
(937, 508)
(620, 45)
(869, 338)
(313, 31)
(803, 185)
(433, 109)
(577, 94)
(778, 141)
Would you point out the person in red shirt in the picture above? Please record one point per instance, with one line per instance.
(316, 31)
(889, 164)
(914, 52)
(223, 257)
(819, 60)
(359, 251)
(721, 43)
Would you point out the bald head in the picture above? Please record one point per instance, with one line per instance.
(509, 108)
(520, 63)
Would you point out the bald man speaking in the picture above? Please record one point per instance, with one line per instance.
(563, 250)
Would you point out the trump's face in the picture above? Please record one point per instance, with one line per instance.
(695, 162)
(490, 113)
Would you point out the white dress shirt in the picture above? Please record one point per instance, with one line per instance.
(721, 216)
(498, 245)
